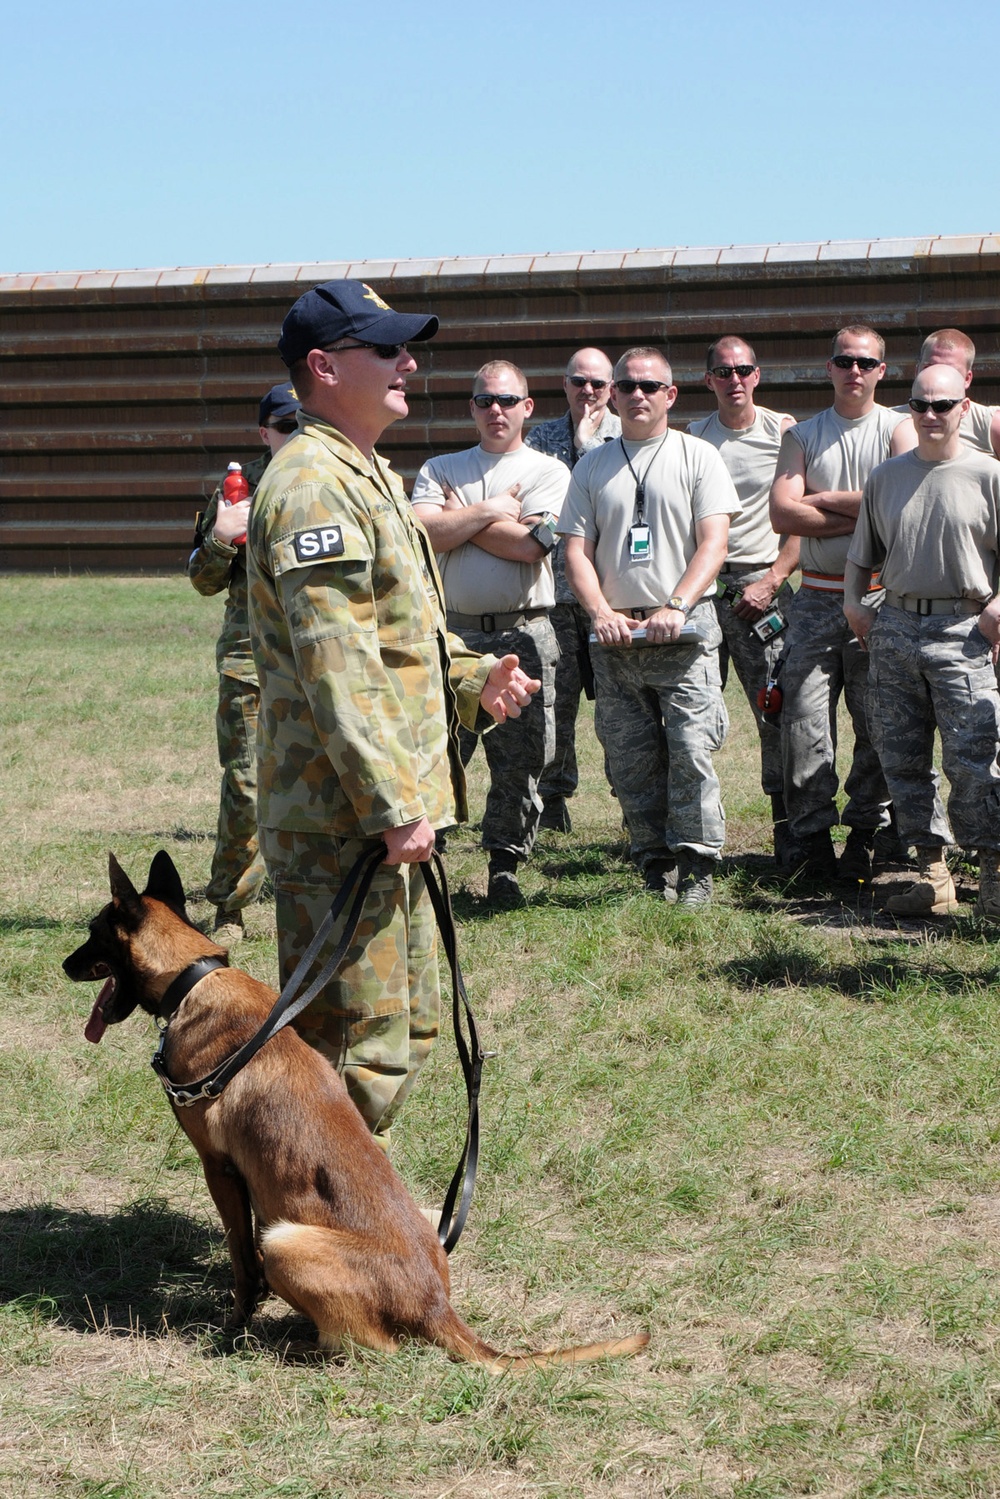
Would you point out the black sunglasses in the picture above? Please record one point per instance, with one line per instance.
(581, 380)
(484, 402)
(648, 387)
(286, 426)
(384, 351)
(726, 371)
(938, 407)
(848, 361)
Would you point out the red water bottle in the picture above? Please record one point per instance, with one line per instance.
(234, 489)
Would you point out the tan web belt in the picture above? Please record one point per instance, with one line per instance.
(490, 622)
(913, 605)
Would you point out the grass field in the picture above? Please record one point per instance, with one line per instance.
(766, 1131)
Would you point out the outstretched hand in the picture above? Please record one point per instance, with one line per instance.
(508, 689)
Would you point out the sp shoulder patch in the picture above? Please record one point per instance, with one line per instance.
(317, 543)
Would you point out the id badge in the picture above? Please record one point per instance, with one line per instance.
(640, 545)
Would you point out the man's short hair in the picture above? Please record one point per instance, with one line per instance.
(587, 350)
(643, 352)
(859, 330)
(948, 338)
(729, 338)
(501, 367)
(301, 377)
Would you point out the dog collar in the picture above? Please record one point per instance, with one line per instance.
(184, 983)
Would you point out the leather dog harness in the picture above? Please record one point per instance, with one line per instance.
(290, 1004)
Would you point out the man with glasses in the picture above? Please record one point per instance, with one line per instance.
(816, 494)
(646, 522)
(754, 577)
(489, 512)
(219, 562)
(980, 429)
(362, 689)
(930, 522)
(587, 424)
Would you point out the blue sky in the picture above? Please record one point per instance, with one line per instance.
(200, 134)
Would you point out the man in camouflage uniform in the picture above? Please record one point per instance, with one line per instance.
(488, 511)
(822, 467)
(646, 522)
(362, 690)
(754, 578)
(587, 424)
(219, 562)
(930, 521)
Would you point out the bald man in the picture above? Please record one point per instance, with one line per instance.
(588, 424)
(980, 429)
(929, 522)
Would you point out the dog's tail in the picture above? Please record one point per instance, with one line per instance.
(333, 1277)
(467, 1346)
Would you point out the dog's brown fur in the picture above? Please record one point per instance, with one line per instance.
(341, 1240)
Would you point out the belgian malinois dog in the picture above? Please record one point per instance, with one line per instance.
(340, 1238)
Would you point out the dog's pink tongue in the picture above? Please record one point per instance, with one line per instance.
(97, 1025)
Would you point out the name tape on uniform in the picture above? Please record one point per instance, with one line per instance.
(322, 541)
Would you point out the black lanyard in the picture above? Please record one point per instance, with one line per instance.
(640, 491)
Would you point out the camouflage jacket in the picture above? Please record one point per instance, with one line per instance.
(213, 566)
(556, 439)
(362, 688)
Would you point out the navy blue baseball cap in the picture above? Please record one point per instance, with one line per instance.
(280, 401)
(347, 309)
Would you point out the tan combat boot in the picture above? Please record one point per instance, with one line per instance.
(988, 903)
(933, 891)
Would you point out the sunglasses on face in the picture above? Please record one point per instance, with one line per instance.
(648, 387)
(726, 371)
(582, 380)
(848, 361)
(286, 426)
(384, 351)
(938, 407)
(484, 402)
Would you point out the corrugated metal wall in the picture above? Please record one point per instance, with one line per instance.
(125, 393)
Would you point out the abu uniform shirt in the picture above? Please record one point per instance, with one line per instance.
(931, 528)
(840, 452)
(751, 456)
(474, 581)
(684, 480)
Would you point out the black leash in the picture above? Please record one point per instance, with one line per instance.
(287, 1007)
(471, 1056)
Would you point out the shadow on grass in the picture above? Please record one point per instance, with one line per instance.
(135, 1270)
(11, 924)
(883, 978)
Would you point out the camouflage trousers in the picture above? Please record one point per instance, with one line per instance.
(822, 661)
(754, 660)
(237, 867)
(517, 751)
(660, 717)
(929, 670)
(572, 627)
(377, 1018)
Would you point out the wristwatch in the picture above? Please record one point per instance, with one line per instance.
(676, 602)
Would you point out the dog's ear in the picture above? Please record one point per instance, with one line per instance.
(164, 882)
(122, 888)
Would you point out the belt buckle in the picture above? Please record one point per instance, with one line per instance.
(488, 629)
(929, 609)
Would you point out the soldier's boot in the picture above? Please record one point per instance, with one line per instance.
(228, 928)
(855, 862)
(503, 892)
(694, 879)
(555, 815)
(660, 878)
(782, 838)
(933, 891)
(812, 857)
(988, 901)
